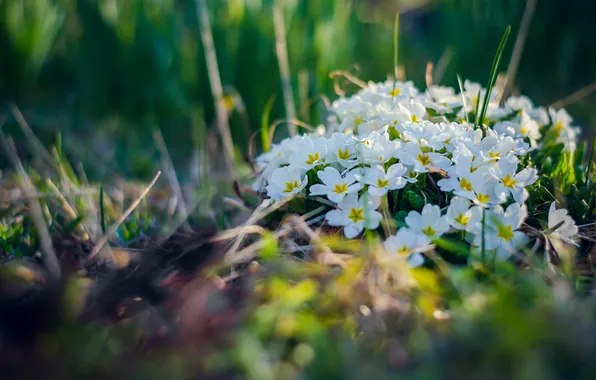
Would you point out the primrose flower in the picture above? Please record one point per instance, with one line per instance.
(560, 119)
(413, 111)
(429, 222)
(511, 182)
(335, 187)
(378, 148)
(460, 178)
(342, 149)
(502, 230)
(566, 228)
(354, 214)
(406, 244)
(463, 216)
(309, 152)
(494, 147)
(422, 159)
(286, 181)
(380, 182)
(427, 134)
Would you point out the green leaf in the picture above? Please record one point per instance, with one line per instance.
(415, 200)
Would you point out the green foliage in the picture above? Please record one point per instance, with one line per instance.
(117, 69)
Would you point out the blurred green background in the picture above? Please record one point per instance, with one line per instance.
(105, 73)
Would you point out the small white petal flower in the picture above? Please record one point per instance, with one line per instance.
(341, 148)
(354, 214)
(309, 153)
(407, 243)
(429, 222)
(334, 187)
(501, 230)
(378, 148)
(462, 216)
(380, 182)
(511, 182)
(286, 181)
(422, 160)
(566, 229)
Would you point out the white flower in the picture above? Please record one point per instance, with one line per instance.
(342, 149)
(511, 182)
(286, 181)
(460, 178)
(380, 182)
(367, 127)
(334, 187)
(407, 243)
(494, 146)
(566, 229)
(501, 230)
(413, 111)
(309, 152)
(378, 148)
(354, 214)
(560, 119)
(463, 217)
(422, 160)
(426, 134)
(429, 222)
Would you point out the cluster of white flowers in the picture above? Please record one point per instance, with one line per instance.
(387, 135)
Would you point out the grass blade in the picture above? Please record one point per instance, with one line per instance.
(265, 125)
(492, 77)
(395, 52)
(281, 50)
(463, 98)
(102, 214)
(591, 161)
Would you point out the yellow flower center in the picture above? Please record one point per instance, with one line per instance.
(343, 154)
(403, 251)
(312, 158)
(423, 159)
(429, 231)
(382, 183)
(414, 118)
(290, 186)
(524, 130)
(358, 121)
(356, 215)
(395, 92)
(508, 181)
(558, 126)
(465, 184)
(339, 189)
(462, 219)
(483, 198)
(412, 174)
(505, 232)
(494, 154)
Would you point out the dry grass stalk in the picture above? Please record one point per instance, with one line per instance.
(281, 51)
(216, 88)
(104, 239)
(575, 97)
(70, 211)
(168, 166)
(518, 48)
